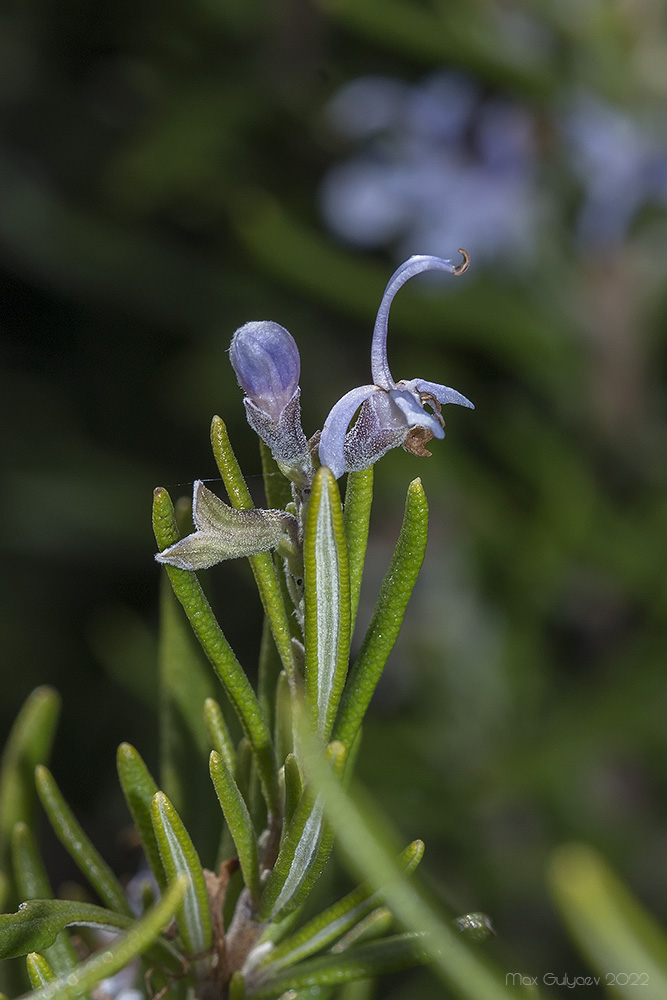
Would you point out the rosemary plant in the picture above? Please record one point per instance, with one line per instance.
(239, 931)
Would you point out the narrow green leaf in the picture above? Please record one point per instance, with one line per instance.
(28, 744)
(239, 822)
(39, 971)
(269, 670)
(118, 954)
(262, 565)
(388, 615)
(367, 961)
(284, 736)
(364, 844)
(32, 883)
(218, 733)
(374, 925)
(70, 833)
(293, 787)
(326, 601)
(139, 788)
(356, 518)
(186, 681)
(607, 923)
(206, 628)
(237, 987)
(37, 923)
(179, 857)
(303, 852)
(338, 919)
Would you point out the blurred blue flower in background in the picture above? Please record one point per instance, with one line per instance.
(433, 165)
(620, 160)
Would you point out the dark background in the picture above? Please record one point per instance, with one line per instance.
(161, 178)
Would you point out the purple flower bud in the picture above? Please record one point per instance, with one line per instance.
(266, 360)
(267, 365)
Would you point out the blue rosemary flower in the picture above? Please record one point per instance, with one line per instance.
(266, 360)
(392, 413)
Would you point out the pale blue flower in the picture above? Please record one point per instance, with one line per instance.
(432, 162)
(266, 360)
(392, 413)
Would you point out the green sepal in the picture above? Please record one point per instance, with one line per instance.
(38, 922)
(366, 961)
(338, 919)
(179, 857)
(303, 852)
(40, 972)
(239, 822)
(139, 788)
(28, 744)
(356, 518)
(115, 956)
(218, 733)
(388, 615)
(32, 883)
(71, 835)
(606, 922)
(222, 532)
(234, 680)
(326, 601)
(262, 565)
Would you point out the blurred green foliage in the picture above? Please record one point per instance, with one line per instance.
(159, 167)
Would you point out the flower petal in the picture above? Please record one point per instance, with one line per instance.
(332, 440)
(441, 392)
(414, 265)
(413, 410)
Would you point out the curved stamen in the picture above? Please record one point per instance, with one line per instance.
(380, 370)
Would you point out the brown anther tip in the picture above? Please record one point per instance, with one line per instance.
(463, 266)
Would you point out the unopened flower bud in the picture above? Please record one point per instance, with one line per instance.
(267, 365)
(266, 360)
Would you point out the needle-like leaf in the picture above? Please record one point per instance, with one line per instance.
(364, 846)
(70, 833)
(326, 601)
(608, 924)
(39, 971)
(366, 961)
(356, 518)
(262, 564)
(337, 920)
(239, 822)
(218, 733)
(139, 789)
(215, 645)
(303, 852)
(32, 883)
(388, 615)
(117, 955)
(179, 857)
(37, 923)
(28, 744)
